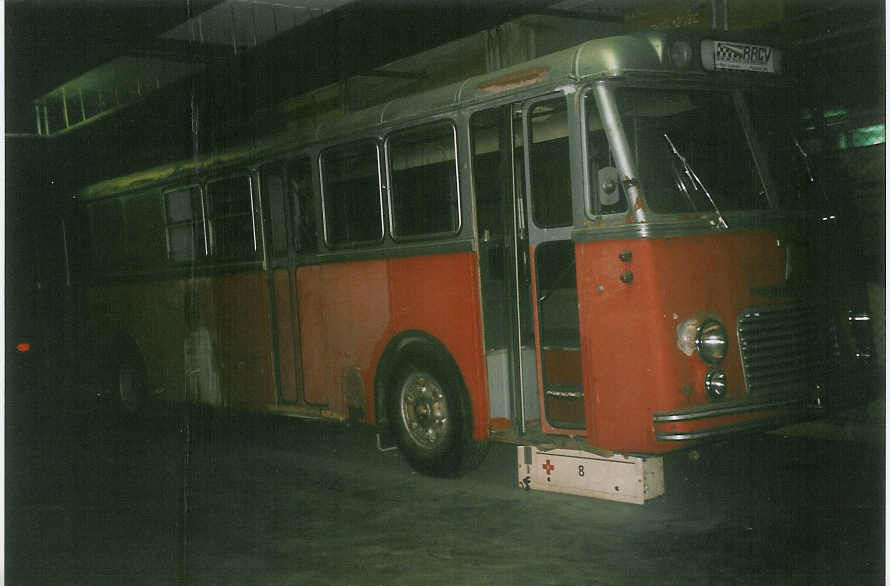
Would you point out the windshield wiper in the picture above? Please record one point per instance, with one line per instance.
(806, 159)
(696, 182)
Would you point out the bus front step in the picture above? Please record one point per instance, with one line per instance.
(627, 479)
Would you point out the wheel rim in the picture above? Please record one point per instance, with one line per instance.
(424, 410)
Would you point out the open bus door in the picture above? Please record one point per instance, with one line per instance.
(527, 268)
(524, 212)
(548, 191)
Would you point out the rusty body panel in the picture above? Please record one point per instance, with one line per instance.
(287, 321)
(440, 295)
(632, 365)
(231, 312)
(241, 330)
(332, 329)
(346, 311)
(351, 310)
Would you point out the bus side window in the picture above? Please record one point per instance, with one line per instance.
(423, 181)
(351, 194)
(185, 224)
(230, 219)
(272, 185)
(551, 187)
(302, 202)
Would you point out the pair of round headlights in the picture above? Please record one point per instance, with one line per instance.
(712, 343)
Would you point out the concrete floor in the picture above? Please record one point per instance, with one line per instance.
(262, 500)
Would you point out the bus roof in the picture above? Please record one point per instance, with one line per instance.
(598, 58)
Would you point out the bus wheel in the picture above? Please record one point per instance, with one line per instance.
(429, 418)
(131, 388)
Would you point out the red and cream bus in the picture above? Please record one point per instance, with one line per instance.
(593, 245)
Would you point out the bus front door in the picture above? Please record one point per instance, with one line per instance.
(548, 191)
(497, 147)
(523, 197)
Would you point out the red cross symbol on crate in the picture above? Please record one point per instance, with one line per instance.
(548, 467)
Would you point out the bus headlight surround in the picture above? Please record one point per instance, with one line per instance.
(715, 384)
(711, 341)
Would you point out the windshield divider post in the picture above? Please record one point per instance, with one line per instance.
(766, 179)
(611, 119)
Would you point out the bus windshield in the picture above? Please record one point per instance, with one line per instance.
(690, 151)
(775, 117)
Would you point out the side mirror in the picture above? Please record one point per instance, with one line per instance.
(607, 186)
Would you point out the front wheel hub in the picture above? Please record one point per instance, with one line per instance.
(424, 410)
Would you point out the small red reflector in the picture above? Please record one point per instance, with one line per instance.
(23, 347)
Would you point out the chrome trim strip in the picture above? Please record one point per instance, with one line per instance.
(185, 271)
(205, 269)
(671, 225)
(725, 429)
(634, 231)
(664, 228)
(709, 411)
(783, 291)
(393, 251)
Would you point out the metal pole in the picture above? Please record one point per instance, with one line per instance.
(614, 128)
(234, 30)
(65, 106)
(83, 110)
(275, 19)
(253, 23)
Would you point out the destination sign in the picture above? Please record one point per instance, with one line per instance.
(722, 55)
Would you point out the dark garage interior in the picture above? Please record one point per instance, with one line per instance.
(110, 482)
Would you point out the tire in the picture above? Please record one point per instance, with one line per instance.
(430, 416)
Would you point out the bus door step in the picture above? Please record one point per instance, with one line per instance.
(627, 479)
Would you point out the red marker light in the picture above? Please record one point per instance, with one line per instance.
(23, 347)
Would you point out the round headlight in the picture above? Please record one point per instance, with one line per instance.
(715, 384)
(711, 341)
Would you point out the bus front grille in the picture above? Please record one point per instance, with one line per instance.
(781, 350)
